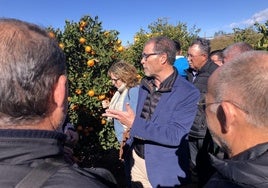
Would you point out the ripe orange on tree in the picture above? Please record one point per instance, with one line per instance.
(101, 97)
(61, 45)
(51, 34)
(103, 121)
(91, 93)
(82, 40)
(88, 49)
(83, 24)
(78, 91)
(90, 63)
(120, 48)
(118, 42)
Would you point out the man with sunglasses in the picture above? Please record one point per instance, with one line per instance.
(164, 115)
(236, 108)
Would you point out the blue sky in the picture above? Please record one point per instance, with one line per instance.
(129, 16)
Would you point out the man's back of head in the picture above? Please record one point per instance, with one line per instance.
(233, 50)
(30, 65)
(33, 105)
(242, 85)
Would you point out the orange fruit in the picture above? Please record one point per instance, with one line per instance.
(118, 42)
(78, 91)
(93, 52)
(106, 33)
(91, 93)
(101, 97)
(83, 24)
(120, 48)
(82, 40)
(88, 49)
(103, 121)
(51, 34)
(90, 63)
(74, 107)
(61, 45)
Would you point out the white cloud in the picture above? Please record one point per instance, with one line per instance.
(258, 17)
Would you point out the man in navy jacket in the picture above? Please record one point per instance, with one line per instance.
(165, 112)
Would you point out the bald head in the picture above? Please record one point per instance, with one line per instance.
(245, 82)
(234, 50)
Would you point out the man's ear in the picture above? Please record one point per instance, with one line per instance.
(225, 115)
(221, 118)
(60, 91)
(164, 58)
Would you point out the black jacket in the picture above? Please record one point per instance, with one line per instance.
(248, 169)
(20, 150)
(199, 127)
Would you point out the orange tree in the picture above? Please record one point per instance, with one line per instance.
(89, 51)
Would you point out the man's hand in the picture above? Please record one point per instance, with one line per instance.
(125, 117)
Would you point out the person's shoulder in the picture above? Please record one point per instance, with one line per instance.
(134, 89)
(211, 66)
(218, 181)
(78, 177)
(184, 85)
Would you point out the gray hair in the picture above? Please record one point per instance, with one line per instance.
(203, 44)
(165, 45)
(233, 50)
(244, 80)
(30, 65)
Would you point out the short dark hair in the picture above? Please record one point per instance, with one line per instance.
(166, 45)
(203, 44)
(31, 63)
(177, 45)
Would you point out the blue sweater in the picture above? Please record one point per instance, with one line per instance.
(165, 151)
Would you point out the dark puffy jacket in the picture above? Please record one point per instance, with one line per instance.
(21, 150)
(199, 127)
(248, 169)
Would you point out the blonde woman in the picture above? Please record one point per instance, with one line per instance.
(124, 77)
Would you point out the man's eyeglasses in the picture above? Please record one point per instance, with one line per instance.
(205, 105)
(145, 56)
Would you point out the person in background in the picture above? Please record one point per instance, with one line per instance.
(237, 107)
(233, 50)
(165, 112)
(33, 107)
(217, 57)
(124, 77)
(201, 67)
(181, 63)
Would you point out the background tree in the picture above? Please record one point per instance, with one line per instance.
(179, 32)
(263, 30)
(249, 35)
